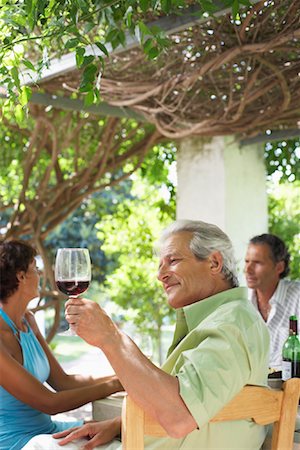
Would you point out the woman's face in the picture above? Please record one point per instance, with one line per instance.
(29, 281)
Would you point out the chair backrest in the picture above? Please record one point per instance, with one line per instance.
(261, 404)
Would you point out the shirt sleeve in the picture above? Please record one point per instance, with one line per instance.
(214, 371)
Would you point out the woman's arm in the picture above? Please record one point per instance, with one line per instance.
(59, 380)
(38, 396)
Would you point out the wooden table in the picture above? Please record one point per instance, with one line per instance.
(108, 408)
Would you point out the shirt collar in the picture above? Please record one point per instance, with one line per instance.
(277, 297)
(197, 312)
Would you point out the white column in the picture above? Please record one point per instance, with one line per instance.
(221, 183)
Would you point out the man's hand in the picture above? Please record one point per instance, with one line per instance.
(97, 433)
(90, 321)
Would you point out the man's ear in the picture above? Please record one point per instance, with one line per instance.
(216, 262)
(280, 266)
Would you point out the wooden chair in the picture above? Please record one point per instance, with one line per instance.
(261, 404)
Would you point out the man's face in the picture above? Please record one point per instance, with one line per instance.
(260, 270)
(185, 279)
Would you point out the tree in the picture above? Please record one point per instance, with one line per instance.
(283, 160)
(79, 229)
(57, 162)
(33, 32)
(284, 219)
(283, 175)
(129, 236)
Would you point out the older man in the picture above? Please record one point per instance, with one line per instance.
(219, 346)
(275, 297)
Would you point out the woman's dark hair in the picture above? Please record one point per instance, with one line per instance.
(15, 256)
(278, 249)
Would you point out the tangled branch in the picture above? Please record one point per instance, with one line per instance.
(217, 78)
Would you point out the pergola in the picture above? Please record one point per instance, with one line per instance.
(218, 77)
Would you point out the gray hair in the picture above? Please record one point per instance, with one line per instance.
(207, 238)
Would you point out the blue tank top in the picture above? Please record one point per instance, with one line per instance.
(18, 421)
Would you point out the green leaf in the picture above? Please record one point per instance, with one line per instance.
(17, 20)
(88, 27)
(28, 64)
(72, 43)
(112, 35)
(88, 78)
(153, 52)
(6, 41)
(154, 29)
(80, 56)
(84, 5)
(166, 5)
(145, 31)
(163, 42)
(19, 114)
(86, 87)
(88, 60)
(15, 75)
(32, 12)
(102, 62)
(73, 30)
(90, 72)
(89, 98)
(128, 16)
(144, 4)
(148, 45)
(73, 13)
(235, 9)
(102, 48)
(121, 37)
(25, 95)
(208, 6)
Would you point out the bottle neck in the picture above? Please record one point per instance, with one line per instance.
(293, 328)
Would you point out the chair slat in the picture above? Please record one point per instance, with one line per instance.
(261, 404)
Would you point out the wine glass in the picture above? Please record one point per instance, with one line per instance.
(72, 273)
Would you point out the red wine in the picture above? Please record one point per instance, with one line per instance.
(71, 287)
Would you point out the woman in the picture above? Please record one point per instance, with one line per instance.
(27, 362)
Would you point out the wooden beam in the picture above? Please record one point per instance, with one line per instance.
(102, 109)
(277, 135)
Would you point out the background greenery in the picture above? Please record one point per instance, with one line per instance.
(124, 234)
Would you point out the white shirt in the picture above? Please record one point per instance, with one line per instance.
(285, 302)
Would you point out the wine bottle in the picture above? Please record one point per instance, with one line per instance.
(291, 352)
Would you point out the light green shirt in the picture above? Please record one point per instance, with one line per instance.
(220, 345)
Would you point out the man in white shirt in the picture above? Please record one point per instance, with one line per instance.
(266, 266)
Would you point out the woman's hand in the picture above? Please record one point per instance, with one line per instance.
(97, 433)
